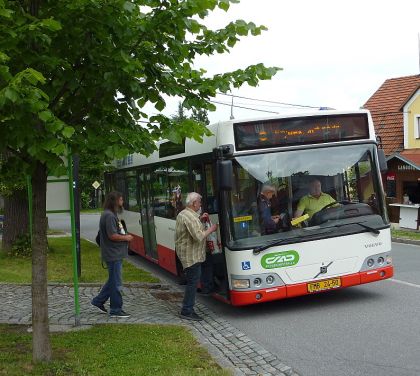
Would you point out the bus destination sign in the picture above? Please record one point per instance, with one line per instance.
(300, 131)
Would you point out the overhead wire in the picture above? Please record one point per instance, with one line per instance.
(269, 101)
(243, 107)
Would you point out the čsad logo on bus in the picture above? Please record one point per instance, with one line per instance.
(279, 259)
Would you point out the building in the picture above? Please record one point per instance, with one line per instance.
(395, 109)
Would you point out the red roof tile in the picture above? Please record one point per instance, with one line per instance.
(413, 155)
(386, 105)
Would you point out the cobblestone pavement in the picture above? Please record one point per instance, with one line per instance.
(152, 304)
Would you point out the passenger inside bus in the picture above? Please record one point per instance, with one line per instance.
(269, 222)
(314, 201)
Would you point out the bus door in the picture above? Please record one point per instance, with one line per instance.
(147, 214)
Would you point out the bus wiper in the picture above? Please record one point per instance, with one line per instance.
(257, 250)
(273, 243)
(371, 229)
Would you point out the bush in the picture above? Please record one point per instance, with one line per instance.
(85, 200)
(21, 247)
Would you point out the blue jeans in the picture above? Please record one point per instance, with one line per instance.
(192, 275)
(207, 274)
(112, 288)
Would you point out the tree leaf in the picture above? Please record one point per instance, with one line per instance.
(11, 94)
(51, 24)
(67, 132)
(45, 116)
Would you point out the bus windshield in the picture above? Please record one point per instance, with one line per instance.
(299, 195)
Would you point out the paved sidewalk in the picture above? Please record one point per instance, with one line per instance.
(152, 304)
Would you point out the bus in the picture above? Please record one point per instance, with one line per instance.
(345, 243)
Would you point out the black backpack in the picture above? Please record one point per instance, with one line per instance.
(98, 238)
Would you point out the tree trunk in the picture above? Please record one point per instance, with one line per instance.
(16, 218)
(40, 338)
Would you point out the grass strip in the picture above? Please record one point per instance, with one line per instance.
(117, 349)
(60, 265)
(405, 234)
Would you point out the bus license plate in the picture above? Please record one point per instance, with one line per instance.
(324, 285)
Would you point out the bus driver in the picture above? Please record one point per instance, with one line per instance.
(314, 201)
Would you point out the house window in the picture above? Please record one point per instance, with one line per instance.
(417, 126)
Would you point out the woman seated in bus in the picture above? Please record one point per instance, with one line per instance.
(314, 201)
(269, 223)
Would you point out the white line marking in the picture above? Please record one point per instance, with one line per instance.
(403, 283)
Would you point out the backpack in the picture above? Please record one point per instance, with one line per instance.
(98, 238)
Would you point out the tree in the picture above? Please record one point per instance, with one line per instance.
(180, 115)
(198, 115)
(91, 168)
(77, 74)
(13, 190)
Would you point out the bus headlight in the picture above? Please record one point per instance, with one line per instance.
(370, 262)
(381, 260)
(240, 283)
(257, 282)
(389, 259)
(270, 280)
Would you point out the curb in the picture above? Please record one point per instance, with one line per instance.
(229, 347)
(406, 241)
(143, 285)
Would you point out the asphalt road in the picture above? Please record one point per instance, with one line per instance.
(89, 224)
(372, 329)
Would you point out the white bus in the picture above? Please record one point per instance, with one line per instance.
(343, 244)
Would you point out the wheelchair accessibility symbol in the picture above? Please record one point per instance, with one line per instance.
(246, 265)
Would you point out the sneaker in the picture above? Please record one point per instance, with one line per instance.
(99, 307)
(120, 314)
(192, 316)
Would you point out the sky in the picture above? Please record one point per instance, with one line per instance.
(333, 53)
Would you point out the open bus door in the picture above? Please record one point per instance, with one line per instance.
(147, 215)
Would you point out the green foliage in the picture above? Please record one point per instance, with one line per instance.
(198, 115)
(85, 199)
(11, 177)
(63, 64)
(21, 247)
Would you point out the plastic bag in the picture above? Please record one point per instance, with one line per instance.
(212, 243)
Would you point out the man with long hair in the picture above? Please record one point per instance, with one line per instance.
(114, 248)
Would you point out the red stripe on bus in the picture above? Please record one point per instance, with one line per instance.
(167, 259)
(137, 245)
(166, 256)
(239, 298)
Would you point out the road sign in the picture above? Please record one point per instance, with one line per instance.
(96, 184)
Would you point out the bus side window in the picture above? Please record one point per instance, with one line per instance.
(159, 188)
(212, 206)
(178, 187)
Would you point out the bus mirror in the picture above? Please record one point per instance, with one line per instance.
(383, 166)
(224, 175)
(223, 151)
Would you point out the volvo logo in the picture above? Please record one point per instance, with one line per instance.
(323, 269)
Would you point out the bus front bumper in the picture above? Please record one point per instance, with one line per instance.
(239, 298)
